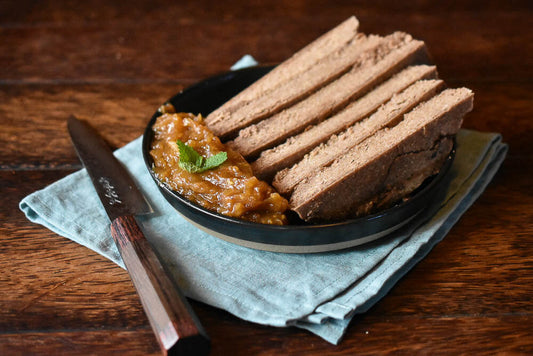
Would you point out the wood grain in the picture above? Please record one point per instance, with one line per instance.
(35, 116)
(114, 63)
(111, 47)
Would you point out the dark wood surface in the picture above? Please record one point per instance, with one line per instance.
(113, 63)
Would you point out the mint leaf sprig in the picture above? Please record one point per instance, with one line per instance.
(193, 162)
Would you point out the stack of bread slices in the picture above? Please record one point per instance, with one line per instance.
(348, 125)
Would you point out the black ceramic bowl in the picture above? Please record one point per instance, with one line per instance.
(297, 237)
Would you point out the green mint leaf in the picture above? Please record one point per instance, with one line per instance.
(193, 162)
(216, 160)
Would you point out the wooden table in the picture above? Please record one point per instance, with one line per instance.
(114, 63)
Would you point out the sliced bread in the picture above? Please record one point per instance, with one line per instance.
(388, 115)
(294, 148)
(287, 92)
(395, 52)
(353, 183)
(330, 42)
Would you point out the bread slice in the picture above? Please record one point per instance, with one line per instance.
(388, 115)
(291, 151)
(353, 183)
(374, 66)
(330, 42)
(314, 66)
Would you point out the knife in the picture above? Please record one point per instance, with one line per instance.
(173, 321)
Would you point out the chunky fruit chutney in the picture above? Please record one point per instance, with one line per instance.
(230, 189)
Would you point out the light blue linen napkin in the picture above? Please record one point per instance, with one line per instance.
(317, 292)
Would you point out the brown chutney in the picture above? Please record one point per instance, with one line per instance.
(230, 189)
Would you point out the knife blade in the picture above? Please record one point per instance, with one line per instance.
(173, 321)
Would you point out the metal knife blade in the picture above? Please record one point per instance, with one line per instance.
(173, 321)
(115, 187)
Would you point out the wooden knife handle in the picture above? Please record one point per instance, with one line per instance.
(175, 325)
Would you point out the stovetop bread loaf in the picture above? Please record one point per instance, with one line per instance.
(348, 125)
